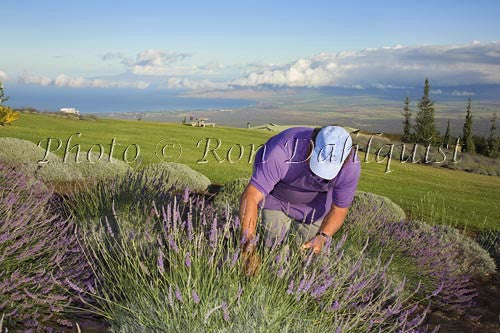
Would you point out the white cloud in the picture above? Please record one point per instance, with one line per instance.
(462, 93)
(398, 66)
(155, 62)
(28, 78)
(3, 76)
(436, 92)
(185, 83)
(63, 80)
(148, 62)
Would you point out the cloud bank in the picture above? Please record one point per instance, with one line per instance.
(148, 62)
(387, 67)
(185, 83)
(397, 67)
(63, 80)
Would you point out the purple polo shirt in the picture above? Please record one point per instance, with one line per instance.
(281, 173)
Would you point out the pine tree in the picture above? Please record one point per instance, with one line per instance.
(407, 137)
(3, 98)
(425, 128)
(493, 140)
(467, 139)
(447, 136)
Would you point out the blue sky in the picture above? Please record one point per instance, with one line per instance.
(221, 41)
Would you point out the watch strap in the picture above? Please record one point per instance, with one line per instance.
(324, 234)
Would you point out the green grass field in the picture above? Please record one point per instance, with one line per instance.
(439, 195)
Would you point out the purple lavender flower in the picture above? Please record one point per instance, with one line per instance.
(187, 260)
(195, 296)
(235, 257)
(213, 233)
(108, 226)
(335, 306)
(170, 297)
(225, 311)
(239, 293)
(178, 294)
(159, 262)
(185, 196)
(281, 272)
(290, 287)
(173, 244)
(190, 227)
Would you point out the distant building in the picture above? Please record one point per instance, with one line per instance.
(70, 110)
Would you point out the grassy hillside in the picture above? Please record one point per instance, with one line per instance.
(441, 195)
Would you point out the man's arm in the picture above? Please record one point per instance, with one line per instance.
(332, 222)
(249, 201)
(248, 216)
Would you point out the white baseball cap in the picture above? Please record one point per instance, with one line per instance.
(331, 148)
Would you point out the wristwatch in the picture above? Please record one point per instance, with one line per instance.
(324, 234)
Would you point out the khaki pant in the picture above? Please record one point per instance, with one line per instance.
(276, 222)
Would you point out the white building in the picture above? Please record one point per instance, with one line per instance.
(70, 110)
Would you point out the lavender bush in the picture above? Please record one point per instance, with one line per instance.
(24, 155)
(474, 260)
(382, 206)
(41, 261)
(177, 175)
(181, 272)
(120, 195)
(444, 258)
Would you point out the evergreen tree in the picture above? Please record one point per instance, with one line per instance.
(407, 137)
(493, 140)
(447, 136)
(425, 128)
(467, 139)
(3, 98)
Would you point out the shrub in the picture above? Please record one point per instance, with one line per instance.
(122, 194)
(178, 175)
(41, 258)
(181, 272)
(7, 115)
(25, 156)
(91, 167)
(446, 259)
(473, 259)
(377, 206)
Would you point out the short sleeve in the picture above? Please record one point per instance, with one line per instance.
(345, 188)
(269, 167)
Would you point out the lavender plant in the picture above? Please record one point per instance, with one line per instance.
(120, 195)
(380, 206)
(177, 175)
(445, 260)
(41, 263)
(24, 155)
(474, 260)
(183, 273)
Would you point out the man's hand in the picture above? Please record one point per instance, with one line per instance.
(250, 259)
(316, 243)
(330, 225)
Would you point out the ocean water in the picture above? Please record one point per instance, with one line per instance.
(88, 100)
